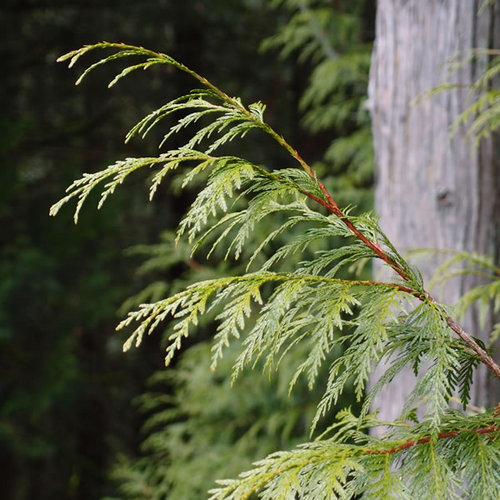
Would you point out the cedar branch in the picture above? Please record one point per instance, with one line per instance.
(329, 202)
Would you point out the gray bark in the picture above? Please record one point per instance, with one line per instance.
(433, 191)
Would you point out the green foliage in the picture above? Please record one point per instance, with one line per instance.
(267, 313)
(482, 115)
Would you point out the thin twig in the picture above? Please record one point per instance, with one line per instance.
(444, 435)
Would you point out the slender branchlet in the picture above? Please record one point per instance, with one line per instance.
(490, 429)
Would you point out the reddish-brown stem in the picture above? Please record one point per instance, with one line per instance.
(331, 205)
(496, 413)
(397, 286)
(193, 264)
(467, 338)
(444, 435)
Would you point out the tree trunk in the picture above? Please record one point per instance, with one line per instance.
(433, 191)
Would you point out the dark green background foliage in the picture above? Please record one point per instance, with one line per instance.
(66, 386)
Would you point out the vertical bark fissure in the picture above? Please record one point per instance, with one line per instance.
(473, 65)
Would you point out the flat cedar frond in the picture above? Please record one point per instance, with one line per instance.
(115, 175)
(230, 123)
(265, 194)
(223, 181)
(324, 227)
(291, 312)
(409, 464)
(367, 345)
(346, 326)
(431, 342)
(315, 470)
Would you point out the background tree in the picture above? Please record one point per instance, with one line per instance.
(66, 386)
(433, 190)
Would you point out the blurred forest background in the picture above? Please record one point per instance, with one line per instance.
(69, 420)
